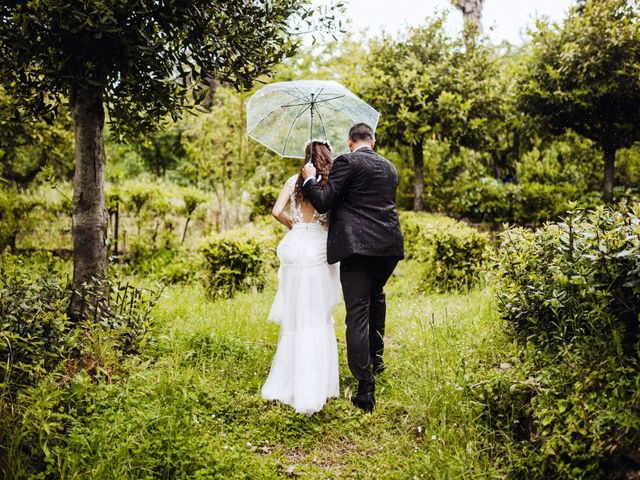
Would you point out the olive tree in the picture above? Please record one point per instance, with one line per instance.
(140, 60)
(583, 76)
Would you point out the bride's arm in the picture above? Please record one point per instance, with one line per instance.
(278, 210)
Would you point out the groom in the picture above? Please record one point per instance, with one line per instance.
(365, 237)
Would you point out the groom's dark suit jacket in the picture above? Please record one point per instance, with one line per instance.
(361, 196)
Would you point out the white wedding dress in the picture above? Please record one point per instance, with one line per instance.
(304, 371)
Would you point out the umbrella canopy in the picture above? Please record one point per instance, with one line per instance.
(285, 116)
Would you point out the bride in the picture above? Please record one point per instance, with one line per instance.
(304, 372)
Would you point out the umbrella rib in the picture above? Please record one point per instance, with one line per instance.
(295, 104)
(330, 107)
(262, 120)
(302, 99)
(293, 124)
(329, 99)
(304, 94)
(322, 123)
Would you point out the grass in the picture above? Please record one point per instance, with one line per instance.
(190, 407)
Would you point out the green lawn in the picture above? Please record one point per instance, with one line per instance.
(191, 406)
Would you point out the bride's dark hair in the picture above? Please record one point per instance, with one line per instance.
(321, 159)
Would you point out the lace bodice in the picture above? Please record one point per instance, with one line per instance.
(296, 212)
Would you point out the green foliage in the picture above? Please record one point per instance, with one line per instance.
(427, 86)
(30, 148)
(14, 209)
(233, 264)
(492, 201)
(571, 416)
(570, 293)
(196, 411)
(575, 281)
(583, 76)
(239, 259)
(220, 156)
(453, 255)
(568, 159)
(263, 201)
(421, 79)
(162, 151)
(42, 348)
(128, 50)
(167, 264)
(37, 333)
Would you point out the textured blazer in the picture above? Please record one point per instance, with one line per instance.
(361, 196)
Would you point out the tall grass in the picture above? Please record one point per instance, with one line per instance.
(191, 407)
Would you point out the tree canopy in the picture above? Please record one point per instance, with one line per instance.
(583, 76)
(428, 85)
(150, 58)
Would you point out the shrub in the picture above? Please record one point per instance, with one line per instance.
(536, 203)
(42, 349)
(166, 264)
(36, 332)
(264, 199)
(489, 200)
(14, 208)
(233, 264)
(38, 335)
(453, 254)
(484, 200)
(571, 293)
(577, 280)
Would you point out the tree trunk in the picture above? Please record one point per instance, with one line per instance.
(472, 15)
(89, 210)
(609, 171)
(184, 232)
(418, 179)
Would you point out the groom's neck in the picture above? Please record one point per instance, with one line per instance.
(356, 146)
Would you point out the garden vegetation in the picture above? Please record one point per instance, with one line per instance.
(513, 324)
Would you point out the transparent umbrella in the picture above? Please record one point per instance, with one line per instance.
(285, 116)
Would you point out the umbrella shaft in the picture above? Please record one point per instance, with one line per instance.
(311, 124)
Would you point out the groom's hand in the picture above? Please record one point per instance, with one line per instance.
(309, 171)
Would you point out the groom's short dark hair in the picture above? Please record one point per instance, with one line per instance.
(361, 132)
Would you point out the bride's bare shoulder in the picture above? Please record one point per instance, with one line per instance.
(291, 181)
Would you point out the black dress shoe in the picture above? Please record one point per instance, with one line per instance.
(364, 401)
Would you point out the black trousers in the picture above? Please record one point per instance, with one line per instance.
(363, 279)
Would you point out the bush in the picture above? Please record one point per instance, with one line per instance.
(42, 349)
(577, 280)
(233, 264)
(264, 199)
(239, 259)
(38, 335)
(453, 254)
(14, 208)
(489, 200)
(571, 293)
(167, 264)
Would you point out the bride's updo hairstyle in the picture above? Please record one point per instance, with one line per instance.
(321, 159)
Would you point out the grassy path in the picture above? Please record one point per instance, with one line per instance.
(192, 408)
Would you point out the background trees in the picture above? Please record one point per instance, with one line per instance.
(583, 76)
(427, 85)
